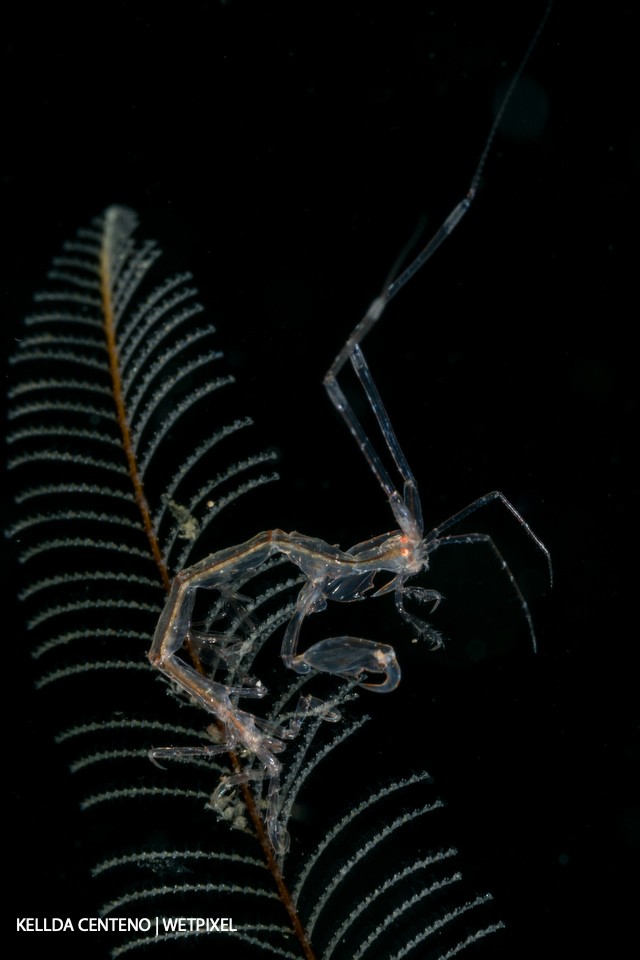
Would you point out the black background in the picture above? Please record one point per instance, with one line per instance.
(286, 152)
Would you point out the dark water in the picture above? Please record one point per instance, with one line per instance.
(285, 154)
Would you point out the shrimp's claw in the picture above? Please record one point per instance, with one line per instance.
(351, 657)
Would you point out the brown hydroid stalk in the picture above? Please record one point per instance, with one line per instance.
(116, 386)
(145, 513)
(272, 864)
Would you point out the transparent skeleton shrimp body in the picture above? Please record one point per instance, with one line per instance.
(329, 572)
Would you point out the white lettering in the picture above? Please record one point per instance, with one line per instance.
(198, 925)
(43, 924)
(126, 925)
(115, 924)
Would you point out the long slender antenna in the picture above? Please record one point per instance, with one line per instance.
(461, 208)
(375, 310)
(406, 504)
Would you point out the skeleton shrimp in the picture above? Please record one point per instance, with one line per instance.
(330, 573)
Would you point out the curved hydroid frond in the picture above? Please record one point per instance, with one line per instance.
(129, 447)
